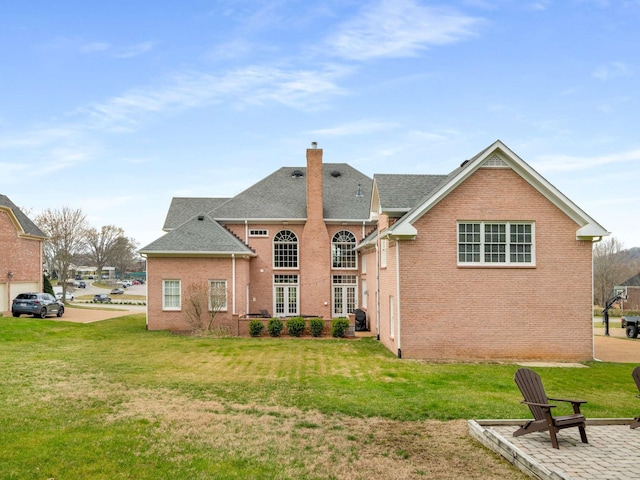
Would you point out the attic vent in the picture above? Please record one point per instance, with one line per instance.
(297, 174)
(335, 174)
(494, 161)
(464, 163)
(201, 217)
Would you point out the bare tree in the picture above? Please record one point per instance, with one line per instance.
(66, 229)
(123, 254)
(103, 245)
(195, 305)
(611, 266)
(217, 300)
(203, 301)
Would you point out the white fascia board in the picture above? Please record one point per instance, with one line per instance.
(588, 227)
(157, 253)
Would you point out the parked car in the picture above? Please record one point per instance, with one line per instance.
(69, 296)
(82, 285)
(36, 304)
(102, 298)
(117, 291)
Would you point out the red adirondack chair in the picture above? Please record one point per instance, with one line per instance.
(536, 399)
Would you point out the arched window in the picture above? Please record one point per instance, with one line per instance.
(285, 250)
(343, 250)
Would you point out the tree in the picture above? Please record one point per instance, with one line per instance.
(612, 265)
(203, 301)
(123, 254)
(67, 230)
(103, 246)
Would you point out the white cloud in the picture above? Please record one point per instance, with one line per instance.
(567, 163)
(134, 50)
(251, 85)
(398, 28)
(94, 47)
(364, 127)
(611, 71)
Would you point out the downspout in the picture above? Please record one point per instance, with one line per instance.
(593, 342)
(146, 319)
(398, 297)
(377, 293)
(233, 283)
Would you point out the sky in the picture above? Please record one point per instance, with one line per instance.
(116, 107)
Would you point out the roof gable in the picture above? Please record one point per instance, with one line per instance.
(397, 193)
(23, 224)
(200, 235)
(184, 208)
(500, 156)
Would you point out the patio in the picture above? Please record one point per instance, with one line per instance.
(610, 453)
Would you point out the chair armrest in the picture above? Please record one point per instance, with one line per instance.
(541, 405)
(567, 400)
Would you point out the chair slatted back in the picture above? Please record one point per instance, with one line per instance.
(530, 386)
(636, 376)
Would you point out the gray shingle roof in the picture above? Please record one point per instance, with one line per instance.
(182, 208)
(199, 235)
(27, 225)
(399, 192)
(282, 195)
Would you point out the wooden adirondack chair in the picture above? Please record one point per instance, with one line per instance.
(636, 378)
(536, 399)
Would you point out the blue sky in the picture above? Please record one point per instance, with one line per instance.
(116, 107)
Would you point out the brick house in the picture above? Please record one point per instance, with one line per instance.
(470, 265)
(21, 254)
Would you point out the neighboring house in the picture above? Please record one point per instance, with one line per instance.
(488, 262)
(632, 302)
(21, 254)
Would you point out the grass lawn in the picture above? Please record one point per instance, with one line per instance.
(110, 400)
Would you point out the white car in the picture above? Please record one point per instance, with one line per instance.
(69, 296)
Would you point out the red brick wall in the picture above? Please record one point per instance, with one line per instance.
(451, 312)
(192, 270)
(22, 256)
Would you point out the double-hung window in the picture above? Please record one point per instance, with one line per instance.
(217, 295)
(496, 243)
(171, 295)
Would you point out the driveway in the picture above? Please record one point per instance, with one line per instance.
(88, 314)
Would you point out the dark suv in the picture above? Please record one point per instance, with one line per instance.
(102, 298)
(36, 304)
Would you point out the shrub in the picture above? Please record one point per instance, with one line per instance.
(295, 326)
(275, 326)
(255, 328)
(316, 325)
(339, 327)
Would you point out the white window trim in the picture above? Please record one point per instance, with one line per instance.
(507, 263)
(226, 295)
(164, 295)
(297, 257)
(384, 247)
(353, 254)
(258, 232)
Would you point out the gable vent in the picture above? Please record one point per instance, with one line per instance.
(297, 174)
(494, 161)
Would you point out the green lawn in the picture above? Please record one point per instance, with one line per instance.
(111, 400)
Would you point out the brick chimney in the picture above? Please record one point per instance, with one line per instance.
(314, 183)
(315, 246)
